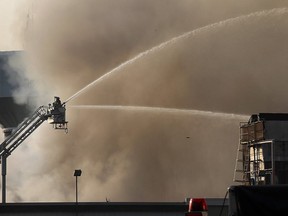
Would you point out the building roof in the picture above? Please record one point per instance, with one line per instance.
(110, 208)
(269, 117)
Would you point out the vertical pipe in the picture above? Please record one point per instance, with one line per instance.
(254, 165)
(7, 133)
(76, 174)
(272, 163)
(4, 172)
(76, 206)
(76, 190)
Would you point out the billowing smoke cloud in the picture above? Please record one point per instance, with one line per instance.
(23, 89)
(235, 66)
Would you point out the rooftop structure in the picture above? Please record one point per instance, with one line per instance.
(262, 157)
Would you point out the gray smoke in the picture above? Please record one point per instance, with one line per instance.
(23, 89)
(235, 66)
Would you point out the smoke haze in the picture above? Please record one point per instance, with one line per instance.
(236, 64)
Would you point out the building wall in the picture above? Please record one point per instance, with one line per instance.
(107, 209)
(276, 130)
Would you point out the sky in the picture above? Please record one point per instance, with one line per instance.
(220, 56)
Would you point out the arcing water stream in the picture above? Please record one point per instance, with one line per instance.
(172, 41)
(162, 109)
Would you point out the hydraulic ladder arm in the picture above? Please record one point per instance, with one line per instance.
(55, 114)
(23, 131)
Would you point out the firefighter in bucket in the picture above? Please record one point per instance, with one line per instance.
(57, 112)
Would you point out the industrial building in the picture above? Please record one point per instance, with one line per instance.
(262, 157)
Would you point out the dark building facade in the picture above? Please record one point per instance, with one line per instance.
(11, 114)
(263, 149)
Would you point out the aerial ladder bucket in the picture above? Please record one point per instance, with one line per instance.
(57, 115)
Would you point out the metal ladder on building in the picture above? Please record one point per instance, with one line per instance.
(242, 164)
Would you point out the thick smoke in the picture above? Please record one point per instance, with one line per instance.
(235, 66)
(23, 89)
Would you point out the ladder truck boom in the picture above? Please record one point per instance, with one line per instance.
(54, 113)
(23, 131)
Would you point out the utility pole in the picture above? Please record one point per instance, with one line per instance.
(76, 174)
(3, 173)
(7, 133)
